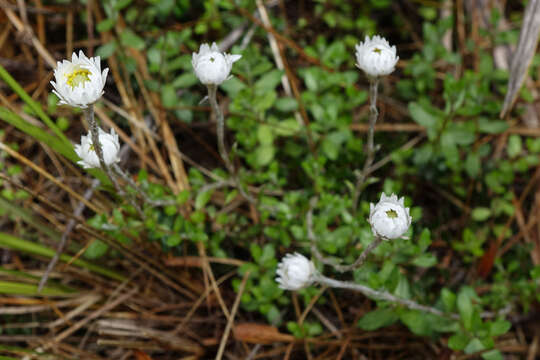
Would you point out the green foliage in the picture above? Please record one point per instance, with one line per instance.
(291, 148)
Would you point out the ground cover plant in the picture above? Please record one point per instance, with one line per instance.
(244, 179)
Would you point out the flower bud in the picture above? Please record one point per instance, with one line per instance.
(211, 66)
(295, 272)
(375, 56)
(389, 219)
(87, 152)
(79, 82)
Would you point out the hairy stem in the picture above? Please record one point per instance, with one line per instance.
(94, 132)
(382, 295)
(212, 97)
(370, 147)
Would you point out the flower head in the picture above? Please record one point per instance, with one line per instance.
(109, 145)
(390, 218)
(211, 66)
(79, 82)
(375, 56)
(295, 272)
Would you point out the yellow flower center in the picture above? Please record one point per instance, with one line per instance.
(77, 77)
(392, 214)
(92, 148)
(377, 50)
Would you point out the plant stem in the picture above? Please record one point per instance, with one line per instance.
(212, 97)
(362, 258)
(370, 147)
(94, 132)
(315, 251)
(382, 295)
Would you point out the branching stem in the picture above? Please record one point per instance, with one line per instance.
(315, 251)
(382, 295)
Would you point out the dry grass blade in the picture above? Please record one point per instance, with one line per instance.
(528, 39)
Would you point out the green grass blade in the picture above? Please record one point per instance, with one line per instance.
(49, 139)
(15, 212)
(21, 351)
(32, 279)
(35, 106)
(29, 247)
(23, 289)
(59, 146)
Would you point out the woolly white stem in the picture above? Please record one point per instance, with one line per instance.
(370, 147)
(212, 97)
(381, 295)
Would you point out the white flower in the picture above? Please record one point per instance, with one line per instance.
(109, 145)
(375, 56)
(211, 66)
(79, 82)
(390, 218)
(295, 272)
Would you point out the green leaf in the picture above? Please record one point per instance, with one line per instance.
(202, 199)
(105, 25)
(449, 299)
(377, 319)
(492, 126)
(403, 289)
(458, 341)
(481, 213)
(174, 240)
(332, 143)
(474, 346)
(287, 127)
(130, 39)
(514, 146)
(268, 81)
(286, 104)
(425, 239)
(265, 101)
(96, 249)
(425, 260)
(492, 355)
(185, 80)
(473, 164)
(499, 327)
(418, 322)
(265, 135)
(421, 116)
(168, 96)
(106, 50)
(264, 154)
(465, 308)
(121, 4)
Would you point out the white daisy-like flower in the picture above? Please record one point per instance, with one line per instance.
(295, 272)
(110, 145)
(375, 56)
(211, 66)
(389, 219)
(79, 82)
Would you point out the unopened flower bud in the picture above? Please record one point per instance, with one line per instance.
(211, 66)
(376, 57)
(295, 272)
(389, 219)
